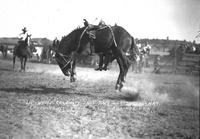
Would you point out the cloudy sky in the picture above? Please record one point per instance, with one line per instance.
(178, 19)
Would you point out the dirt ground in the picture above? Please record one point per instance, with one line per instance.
(42, 104)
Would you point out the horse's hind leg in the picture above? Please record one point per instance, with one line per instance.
(126, 67)
(119, 84)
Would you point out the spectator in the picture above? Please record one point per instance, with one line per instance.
(157, 64)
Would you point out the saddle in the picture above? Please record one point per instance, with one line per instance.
(22, 43)
(91, 30)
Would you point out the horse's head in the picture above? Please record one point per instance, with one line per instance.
(66, 51)
(62, 59)
(28, 39)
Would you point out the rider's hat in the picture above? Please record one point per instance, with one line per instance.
(24, 29)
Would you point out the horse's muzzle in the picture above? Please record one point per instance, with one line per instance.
(67, 73)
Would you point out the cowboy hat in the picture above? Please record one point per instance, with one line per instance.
(24, 29)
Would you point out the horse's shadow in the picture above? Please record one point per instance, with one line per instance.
(43, 90)
(5, 69)
(72, 92)
(130, 97)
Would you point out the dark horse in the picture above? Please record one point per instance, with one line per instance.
(4, 50)
(108, 39)
(23, 52)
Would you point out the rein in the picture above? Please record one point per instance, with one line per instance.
(79, 43)
(112, 35)
(106, 26)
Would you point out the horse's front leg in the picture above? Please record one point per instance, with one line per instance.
(119, 85)
(72, 78)
(73, 72)
(106, 61)
(21, 61)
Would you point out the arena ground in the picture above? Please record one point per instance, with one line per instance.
(41, 103)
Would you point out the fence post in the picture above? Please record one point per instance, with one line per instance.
(175, 60)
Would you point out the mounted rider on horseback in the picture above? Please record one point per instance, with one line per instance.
(24, 40)
(24, 37)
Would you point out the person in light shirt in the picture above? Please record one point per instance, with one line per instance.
(22, 36)
(22, 40)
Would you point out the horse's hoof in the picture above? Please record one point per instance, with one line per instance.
(117, 91)
(105, 69)
(97, 69)
(119, 87)
(72, 79)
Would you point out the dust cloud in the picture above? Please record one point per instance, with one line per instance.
(178, 92)
(173, 89)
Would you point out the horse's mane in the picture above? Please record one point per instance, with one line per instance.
(70, 36)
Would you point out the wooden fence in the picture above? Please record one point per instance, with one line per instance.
(187, 63)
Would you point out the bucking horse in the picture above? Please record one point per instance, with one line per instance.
(23, 52)
(108, 39)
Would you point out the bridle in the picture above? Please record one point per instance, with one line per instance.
(64, 58)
